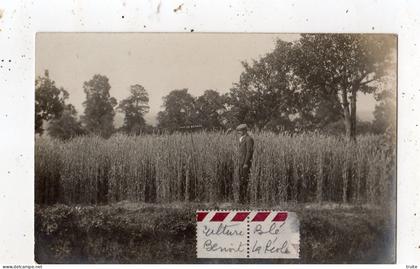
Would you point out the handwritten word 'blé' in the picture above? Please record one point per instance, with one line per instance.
(274, 229)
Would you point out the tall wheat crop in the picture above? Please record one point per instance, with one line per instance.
(203, 167)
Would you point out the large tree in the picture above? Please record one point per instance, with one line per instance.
(179, 111)
(265, 95)
(134, 108)
(99, 106)
(336, 67)
(49, 101)
(210, 106)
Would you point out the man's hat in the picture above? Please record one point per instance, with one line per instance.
(242, 127)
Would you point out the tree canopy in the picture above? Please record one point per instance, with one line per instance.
(310, 83)
(265, 95)
(134, 108)
(334, 68)
(49, 101)
(99, 106)
(179, 110)
(209, 109)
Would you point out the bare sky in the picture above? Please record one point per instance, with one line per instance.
(160, 62)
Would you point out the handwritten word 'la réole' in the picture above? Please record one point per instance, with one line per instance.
(271, 246)
(222, 229)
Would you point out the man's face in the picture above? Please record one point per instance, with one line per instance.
(242, 132)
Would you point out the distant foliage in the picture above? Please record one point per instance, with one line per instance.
(203, 167)
(67, 125)
(338, 128)
(179, 110)
(385, 113)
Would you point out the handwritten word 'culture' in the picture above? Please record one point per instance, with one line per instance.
(222, 229)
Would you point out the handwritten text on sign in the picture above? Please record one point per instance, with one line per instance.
(247, 234)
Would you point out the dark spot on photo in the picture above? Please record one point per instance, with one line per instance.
(158, 8)
(178, 8)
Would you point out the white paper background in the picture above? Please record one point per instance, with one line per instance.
(22, 19)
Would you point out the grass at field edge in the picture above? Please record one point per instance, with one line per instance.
(154, 233)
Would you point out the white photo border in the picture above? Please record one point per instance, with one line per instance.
(21, 20)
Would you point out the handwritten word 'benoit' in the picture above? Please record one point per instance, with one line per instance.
(210, 246)
(222, 229)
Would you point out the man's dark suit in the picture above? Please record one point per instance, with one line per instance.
(246, 150)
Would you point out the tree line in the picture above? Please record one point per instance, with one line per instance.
(307, 85)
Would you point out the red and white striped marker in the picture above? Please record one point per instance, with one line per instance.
(260, 216)
(247, 234)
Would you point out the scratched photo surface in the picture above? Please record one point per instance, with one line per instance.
(136, 132)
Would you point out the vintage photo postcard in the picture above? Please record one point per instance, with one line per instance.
(215, 148)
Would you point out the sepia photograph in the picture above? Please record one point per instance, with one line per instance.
(140, 136)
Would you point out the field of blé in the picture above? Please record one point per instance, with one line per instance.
(201, 167)
(132, 199)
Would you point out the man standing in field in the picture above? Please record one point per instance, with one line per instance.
(246, 149)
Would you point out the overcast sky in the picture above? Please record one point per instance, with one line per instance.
(160, 62)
